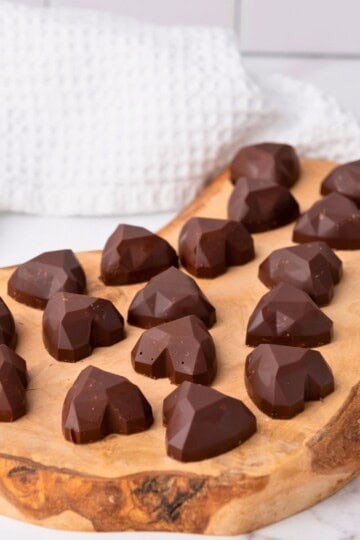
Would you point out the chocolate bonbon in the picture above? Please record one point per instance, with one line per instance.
(208, 246)
(169, 296)
(100, 403)
(7, 326)
(275, 162)
(312, 267)
(13, 382)
(182, 350)
(134, 254)
(345, 180)
(334, 219)
(37, 280)
(202, 422)
(261, 206)
(287, 316)
(74, 324)
(281, 379)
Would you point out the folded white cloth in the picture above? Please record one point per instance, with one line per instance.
(104, 115)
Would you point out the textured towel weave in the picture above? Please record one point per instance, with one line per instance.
(105, 115)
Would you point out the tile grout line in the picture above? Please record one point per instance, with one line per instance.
(301, 55)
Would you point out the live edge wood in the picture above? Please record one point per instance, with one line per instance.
(128, 483)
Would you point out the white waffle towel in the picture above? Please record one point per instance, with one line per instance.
(104, 115)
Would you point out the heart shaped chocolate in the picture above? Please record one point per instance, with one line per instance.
(334, 219)
(134, 254)
(169, 296)
(100, 403)
(287, 316)
(275, 162)
(281, 379)
(313, 268)
(202, 422)
(182, 350)
(208, 246)
(261, 206)
(74, 324)
(34, 282)
(13, 382)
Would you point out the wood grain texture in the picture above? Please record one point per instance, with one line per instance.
(128, 483)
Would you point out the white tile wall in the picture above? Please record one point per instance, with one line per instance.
(300, 26)
(213, 12)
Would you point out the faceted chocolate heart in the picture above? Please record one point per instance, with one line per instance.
(7, 326)
(134, 254)
(334, 219)
(38, 279)
(100, 403)
(13, 382)
(310, 267)
(269, 161)
(344, 180)
(280, 379)
(202, 422)
(208, 246)
(169, 296)
(73, 324)
(182, 350)
(261, 206)
(287, 316)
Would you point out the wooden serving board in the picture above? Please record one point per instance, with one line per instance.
(128, 483)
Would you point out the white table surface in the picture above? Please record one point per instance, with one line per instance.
(21, 237)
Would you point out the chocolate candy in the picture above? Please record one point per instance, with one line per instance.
(100, 403)
(280, 379)
(182, 350)
(208, 246)
(73, 324)
(334, 219)
(345, 180)
(134, 254)
(37, 280)
(313, 268)
(275, 162)
(261, 206)
(13, 382)
(169, 296)
(287, 316)
(7, 326)
(202, 422)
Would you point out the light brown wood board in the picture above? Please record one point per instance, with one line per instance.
(128, 482)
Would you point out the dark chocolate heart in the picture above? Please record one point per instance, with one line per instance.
(100, 403)
(182, 350)
(202, 422)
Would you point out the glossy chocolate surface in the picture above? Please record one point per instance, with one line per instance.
(334, 219)
(100, 403)
(134, 254)
(208, 246)
(169, 296)
(182, 350)
(281, 379)
(7, 326)
(13, 382)
(74, 324)
(261, 206)
(34, 282)
(275, 162)
(312, 267)
(287, 316)
(202, 422)
(344, 180)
